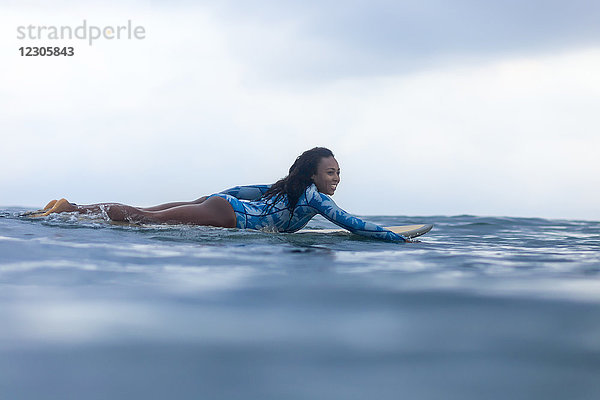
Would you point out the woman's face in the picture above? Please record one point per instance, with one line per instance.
(328, 175)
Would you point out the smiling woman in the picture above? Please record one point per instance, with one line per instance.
(285, 206)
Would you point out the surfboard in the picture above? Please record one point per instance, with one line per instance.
(409, 231)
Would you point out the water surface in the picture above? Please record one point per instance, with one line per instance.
(482, 307)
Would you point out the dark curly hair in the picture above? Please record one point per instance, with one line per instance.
(299, 177)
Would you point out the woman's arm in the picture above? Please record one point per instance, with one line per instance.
(251, 192)
(327, 208)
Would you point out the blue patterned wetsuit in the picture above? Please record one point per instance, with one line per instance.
(252, 212)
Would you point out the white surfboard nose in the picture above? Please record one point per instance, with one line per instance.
(418, 230)
(408, 231)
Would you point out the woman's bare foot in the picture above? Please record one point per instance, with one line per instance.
(59, 206)
(41, 211)
(49, 205)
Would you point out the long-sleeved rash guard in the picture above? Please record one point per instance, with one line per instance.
(254, 212)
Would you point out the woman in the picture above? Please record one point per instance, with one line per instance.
(285, 206)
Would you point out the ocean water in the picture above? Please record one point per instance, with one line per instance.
(480, 308)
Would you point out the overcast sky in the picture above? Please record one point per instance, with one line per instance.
(431, 107)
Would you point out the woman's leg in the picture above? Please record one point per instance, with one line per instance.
(175, 204)
(62, 205)
(215, 211)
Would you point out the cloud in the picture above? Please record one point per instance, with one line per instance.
(325, 40)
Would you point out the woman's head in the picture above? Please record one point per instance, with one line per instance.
(317, 166)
